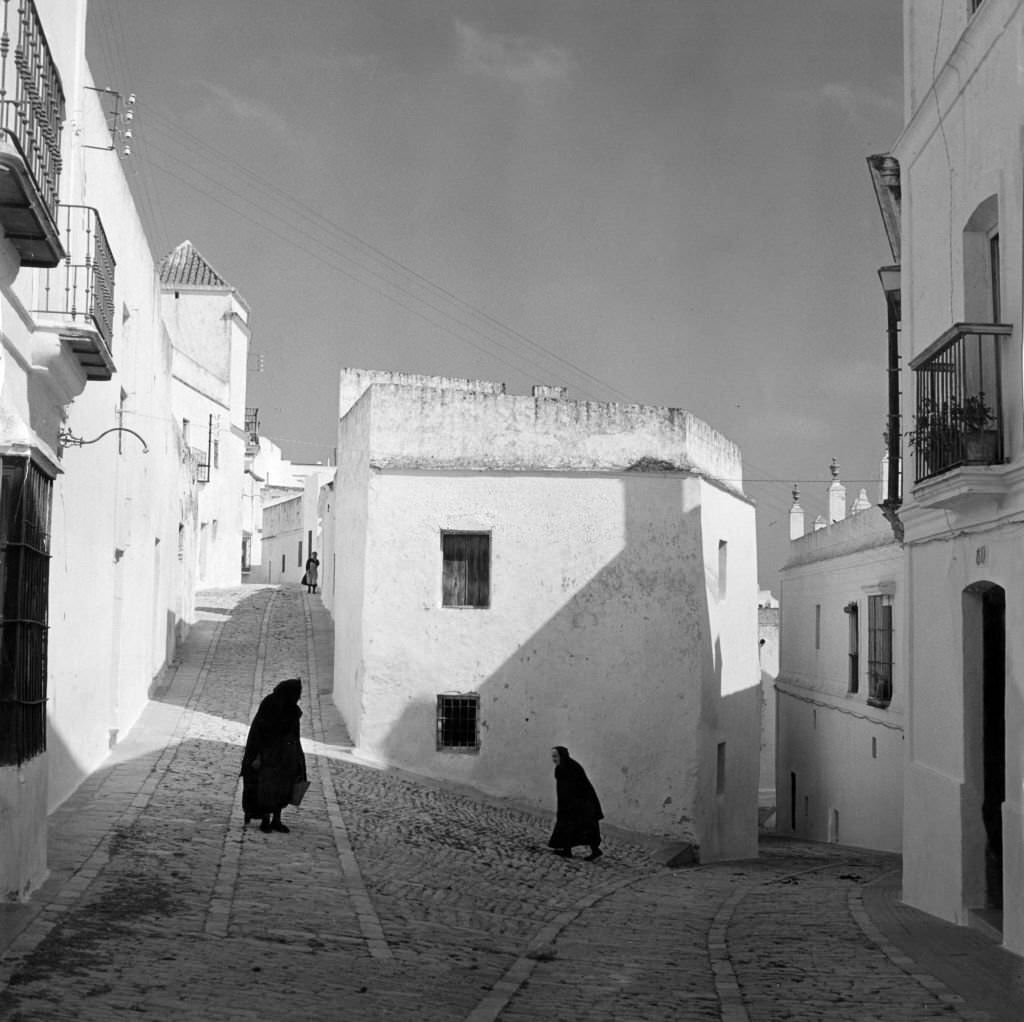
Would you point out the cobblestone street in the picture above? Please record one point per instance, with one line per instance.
(398, 899)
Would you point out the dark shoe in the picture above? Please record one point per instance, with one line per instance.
(565, 853)
(595, 853)
(265, 826)
(280, 827)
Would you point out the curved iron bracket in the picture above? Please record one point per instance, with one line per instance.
(67, 439)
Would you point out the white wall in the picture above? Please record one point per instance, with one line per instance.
(846, 756)
(960, 149)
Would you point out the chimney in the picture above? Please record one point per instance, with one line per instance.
(796, 515)
(540, 390)
(836, 495)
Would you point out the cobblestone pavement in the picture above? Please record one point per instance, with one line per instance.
(399, 899)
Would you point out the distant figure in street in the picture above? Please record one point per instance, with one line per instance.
(273, 759)
(578, 810)
(312, 576)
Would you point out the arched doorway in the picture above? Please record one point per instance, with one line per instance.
(984, 619)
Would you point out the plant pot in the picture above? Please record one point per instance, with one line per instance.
(980, 447)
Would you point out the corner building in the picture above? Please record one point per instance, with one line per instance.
(519, 572)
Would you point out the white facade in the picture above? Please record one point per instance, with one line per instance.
(208, 325)
(86, 414)
(621, 619)
(840, 727)
(961, 167)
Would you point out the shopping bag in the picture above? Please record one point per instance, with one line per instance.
(299, 788)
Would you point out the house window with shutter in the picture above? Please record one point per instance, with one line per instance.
(466, 569)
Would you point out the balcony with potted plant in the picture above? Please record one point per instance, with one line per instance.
(958, 439)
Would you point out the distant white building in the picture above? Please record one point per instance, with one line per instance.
(519, 572)
(841, 690)
(207, 323)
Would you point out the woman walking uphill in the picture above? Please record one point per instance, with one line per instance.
(578, 810)
(273, 759)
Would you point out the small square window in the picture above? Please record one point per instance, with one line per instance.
(466, 569)
(458, 719)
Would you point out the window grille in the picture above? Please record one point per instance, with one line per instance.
(879, 650)
(466, 572)
(458, 723)
(25, 497)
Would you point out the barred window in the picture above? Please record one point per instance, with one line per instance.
(458, 723)
(25, 498)
(466, 571)
(880, 650)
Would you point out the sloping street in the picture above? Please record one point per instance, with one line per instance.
(394, 898)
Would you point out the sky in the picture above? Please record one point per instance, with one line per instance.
(661, 202)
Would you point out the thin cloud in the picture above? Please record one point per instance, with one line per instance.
(247, 110)
(861, 104)
(522, 60)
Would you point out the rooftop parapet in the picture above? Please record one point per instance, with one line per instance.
(472, 428)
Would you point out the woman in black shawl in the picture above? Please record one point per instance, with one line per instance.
(578, 812)
(273, 759)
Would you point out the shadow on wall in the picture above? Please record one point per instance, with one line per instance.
(627, 674)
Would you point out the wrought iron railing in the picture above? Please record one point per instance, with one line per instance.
(31, 96)
(958, 416)
(81, 286)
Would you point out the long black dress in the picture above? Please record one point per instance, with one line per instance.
(273, 759)
(578, 810)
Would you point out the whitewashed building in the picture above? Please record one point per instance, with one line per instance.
(98, 498)
(960, 169)
(841, 690)
(519, 572)
(207, 322)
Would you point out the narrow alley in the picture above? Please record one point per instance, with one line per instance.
(398, 899)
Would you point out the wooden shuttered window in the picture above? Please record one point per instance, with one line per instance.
(25, 497)
(879, 650)
(466, 571)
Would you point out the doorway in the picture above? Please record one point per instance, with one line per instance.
(993, 739)
(985, 748)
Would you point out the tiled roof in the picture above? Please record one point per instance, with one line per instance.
(185, 267)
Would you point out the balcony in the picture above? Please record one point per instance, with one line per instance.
(31, 118)
(77, 296)
(958, 418)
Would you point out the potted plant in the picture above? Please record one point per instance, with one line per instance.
(933, 436)
(975, 419)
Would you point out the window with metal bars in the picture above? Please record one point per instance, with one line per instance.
(25, 500)
(466, 569)
(880, 650)
(458, 723)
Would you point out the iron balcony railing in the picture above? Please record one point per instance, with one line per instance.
(958, 418)
(81, 286)
(31, 96)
